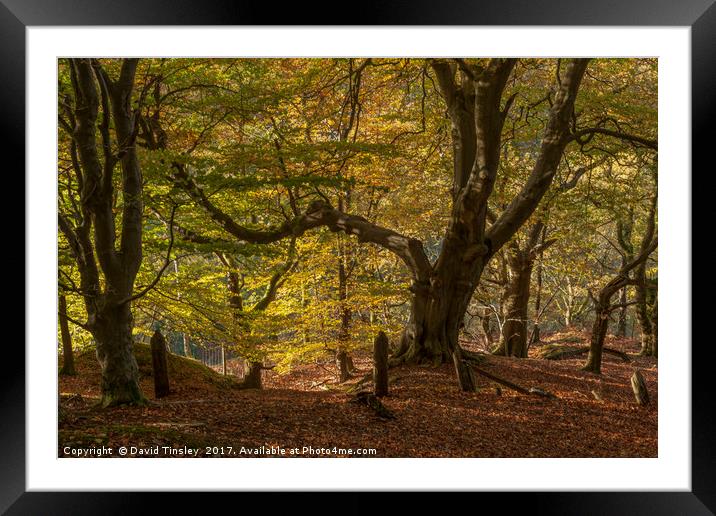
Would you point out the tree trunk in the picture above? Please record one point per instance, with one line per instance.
(68, 359)
(342, 362)
(568, 304)
(642, 313)
(599, 332)
(344, 373)
(186, 346)
(349, 364)
(380, 365)
(602, 303)
(160, 367)
(438, 311)
(622, 321)
(514, 331)
(536, 337)
(112, 331)
(93, 241)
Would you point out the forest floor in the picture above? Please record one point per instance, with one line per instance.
(307, 410)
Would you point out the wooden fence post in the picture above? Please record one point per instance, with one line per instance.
(380, 365)
(159, 364)
(465, 376)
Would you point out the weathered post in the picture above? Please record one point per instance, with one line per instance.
(380, 364)
(638, 385)
(465, 376)
(159, 364)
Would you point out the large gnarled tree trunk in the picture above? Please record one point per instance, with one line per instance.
(107, 302)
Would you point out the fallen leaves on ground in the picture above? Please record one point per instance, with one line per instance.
(433, 417)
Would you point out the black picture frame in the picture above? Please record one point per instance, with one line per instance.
(700, 15)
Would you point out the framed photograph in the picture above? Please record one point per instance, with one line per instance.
(428, 237)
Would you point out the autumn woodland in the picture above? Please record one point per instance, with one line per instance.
(383, 257)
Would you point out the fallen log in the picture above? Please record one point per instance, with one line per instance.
(533, 390)
(358, 386)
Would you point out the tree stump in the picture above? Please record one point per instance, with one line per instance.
(159, 365)
(380, 365)
(465, 376)
(638, 385)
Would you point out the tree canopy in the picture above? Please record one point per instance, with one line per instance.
(288, 209)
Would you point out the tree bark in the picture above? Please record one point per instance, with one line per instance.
(516, 304)
(344, 373)
(68, 358)
(520, 263)
(642, 312)
(486, 327)
(112, 332)
(655, 326)
(599, 332)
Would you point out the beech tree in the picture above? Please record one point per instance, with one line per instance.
(102, 221)
(603, 306)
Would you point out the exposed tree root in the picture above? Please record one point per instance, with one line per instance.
(371, 401)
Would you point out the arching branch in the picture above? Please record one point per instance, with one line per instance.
(632, 138)
(318, 214)
(554, 141)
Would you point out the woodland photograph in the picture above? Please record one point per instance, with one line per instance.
(357, 257)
